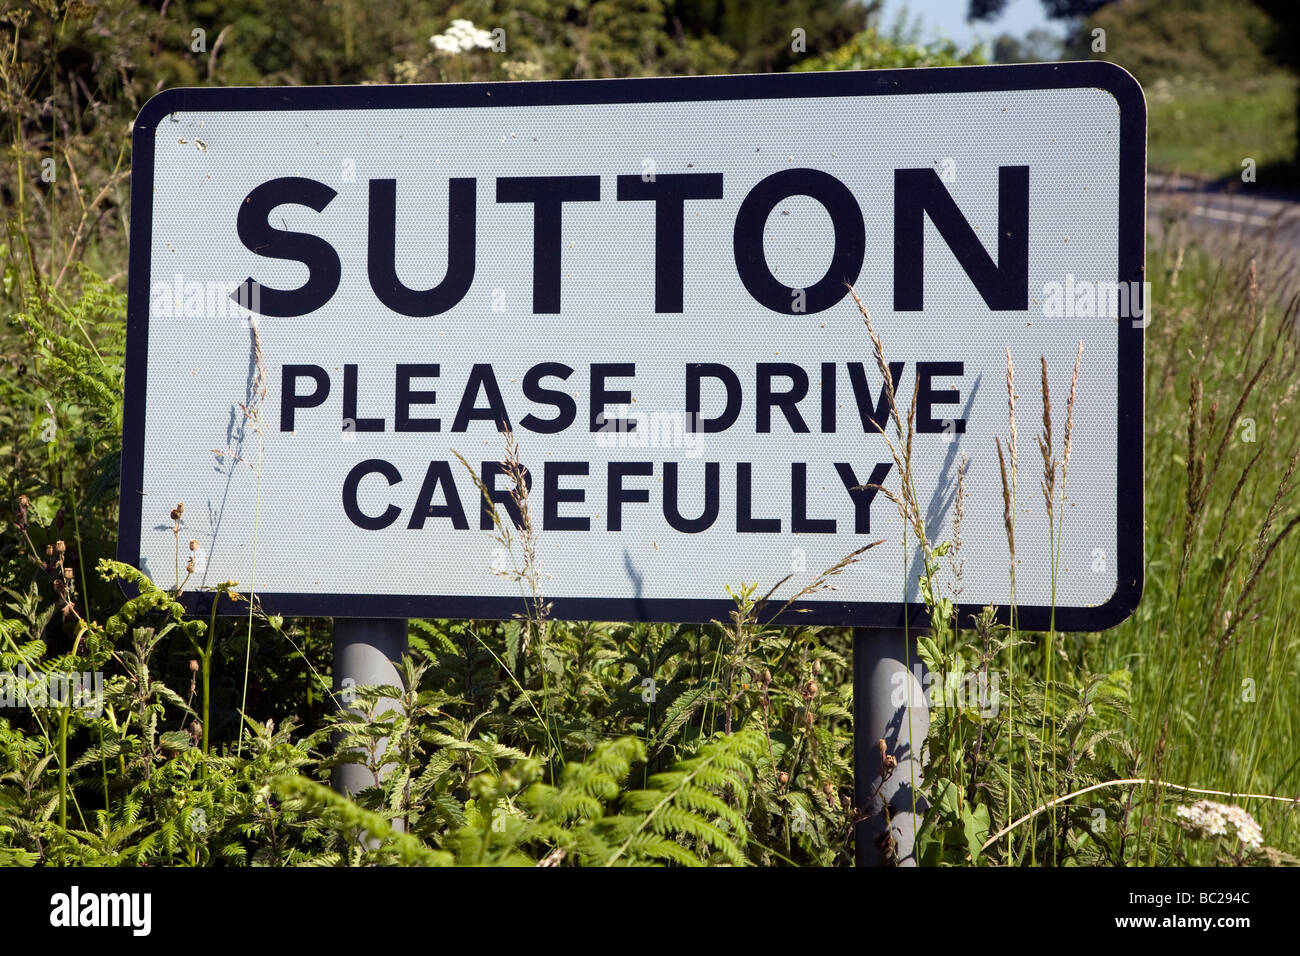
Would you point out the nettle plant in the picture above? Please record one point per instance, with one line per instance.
(457, 792)
(129, 780)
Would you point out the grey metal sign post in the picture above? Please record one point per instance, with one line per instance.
(366, 651)
(891, 717)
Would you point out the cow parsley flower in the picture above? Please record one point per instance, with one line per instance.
(461, 36)
(1205, 818)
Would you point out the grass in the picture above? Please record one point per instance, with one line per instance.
(1214, 648)
(1206, 129)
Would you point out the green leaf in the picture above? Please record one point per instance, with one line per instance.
(175, 741)
(975, 825)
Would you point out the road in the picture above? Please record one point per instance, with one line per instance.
(1245, 210)
(1256, 223)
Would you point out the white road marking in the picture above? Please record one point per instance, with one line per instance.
(1227, 215)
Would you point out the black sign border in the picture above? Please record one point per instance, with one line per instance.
(1130, 503)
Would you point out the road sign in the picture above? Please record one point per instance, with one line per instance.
(335, 292)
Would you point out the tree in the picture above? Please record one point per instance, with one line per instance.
(1035, 47)
(1285, 47)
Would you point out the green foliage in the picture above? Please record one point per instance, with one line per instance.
(1220, 82)
(872, 50)
(1190, 38)
(125, 782)
(1206, 128)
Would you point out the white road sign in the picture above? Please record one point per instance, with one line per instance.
(334, 291)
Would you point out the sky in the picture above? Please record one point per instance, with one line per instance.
(949, 18)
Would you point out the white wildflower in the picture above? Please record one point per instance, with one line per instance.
(406, 71)
(462, 35)
(1206, 818)
(1248, 831)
